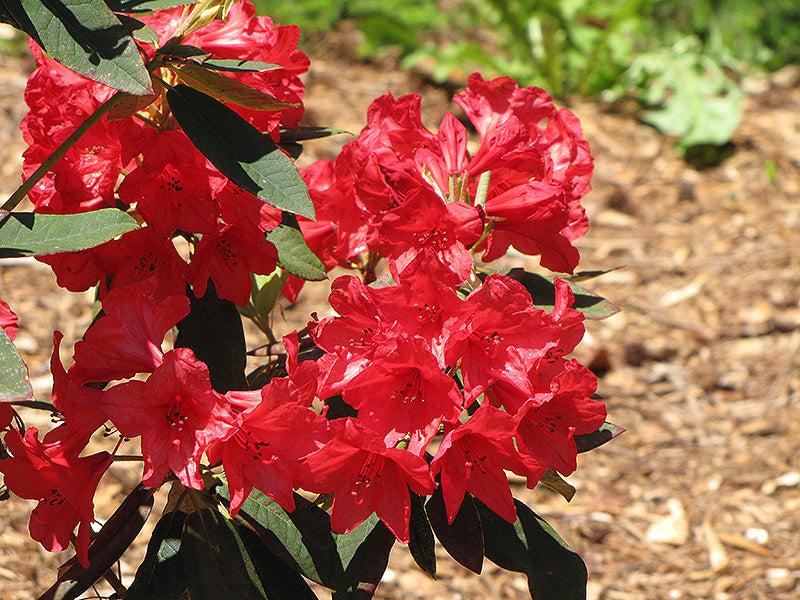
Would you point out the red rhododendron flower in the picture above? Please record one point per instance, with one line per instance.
(127, 339)
(265, 450)
(404, 393)
(176, 412)
(63, 483)
(81, 405)
(228, 257)
(497, 336)
(365, 477)
(8, 320)
(473, 456)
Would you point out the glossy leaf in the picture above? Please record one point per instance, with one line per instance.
(294, 255)
(85, 36)
(278, 579)
(542, 290)
(531, 546)
(161, 575)
(421, 544)
(240, 152)
(215, 561)
(33, 234)
(213, 330)
(589, 441)
(224, 89)
(463, 539)
(350, 564)
(15, 384)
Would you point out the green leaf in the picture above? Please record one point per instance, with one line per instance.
(85, 36)
(543, 291)
(215, 560)
(302, 538)
(590, 441)
(32, 234)
(240, 152)
(421, 543)
(531, 546)
(235, 65)
(15, 385)
(463, 539)
(138, 30)
(351, 564)
(213, 330)
(294, 255)
(134, 6)
(279, 580)
(161, 576)
(225, 89)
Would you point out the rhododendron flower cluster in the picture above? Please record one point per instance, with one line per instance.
(449, 376)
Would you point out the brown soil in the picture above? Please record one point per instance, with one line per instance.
(699, 499)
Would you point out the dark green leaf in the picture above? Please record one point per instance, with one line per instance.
(463, 539)
(215, 560)
(85, 36)
(15, 384)
(589, 441)
(241, 152)
(182, 51)
(543, 292)
(161, 576)
(421, 543)
(106, 548)
(239, 66)
(351, 564)
(279, 580)
(294, 255)
(365, 569)
(299, 134)
(32, 234)
(303, 538)
(213, 330)
(134, 6)
(531, 546)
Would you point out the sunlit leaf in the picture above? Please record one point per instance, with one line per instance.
(33, 234)
(241, 152)
(294, 255)
(85, 36)
(15, 384)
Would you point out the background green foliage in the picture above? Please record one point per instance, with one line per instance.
(682, 59)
